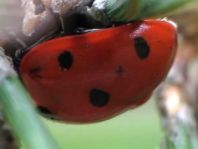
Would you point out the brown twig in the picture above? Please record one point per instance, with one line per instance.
(177, 97)
(7, 141)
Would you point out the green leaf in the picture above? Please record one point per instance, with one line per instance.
(129, 10)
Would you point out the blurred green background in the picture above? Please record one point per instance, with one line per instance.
(135, 129)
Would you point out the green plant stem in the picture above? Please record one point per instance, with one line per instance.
(152, 8)
(129, 10)
(22, 117)
(19, 111)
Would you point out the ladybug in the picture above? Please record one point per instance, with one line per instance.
(98, 74)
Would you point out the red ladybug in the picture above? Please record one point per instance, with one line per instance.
(96, 75)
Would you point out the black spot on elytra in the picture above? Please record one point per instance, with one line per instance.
(120, 70)
(99, 98)
(39, 6)
(46, 113)
(141, 47)
(35, 72)
(65, 60)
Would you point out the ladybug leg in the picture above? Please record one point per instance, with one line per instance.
(81, 19)
(60, 17)
(61, 20)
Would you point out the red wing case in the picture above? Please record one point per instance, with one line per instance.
(97, 75)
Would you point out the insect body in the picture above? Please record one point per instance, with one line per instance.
(97, 75)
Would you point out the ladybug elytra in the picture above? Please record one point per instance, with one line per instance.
(96, 75)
